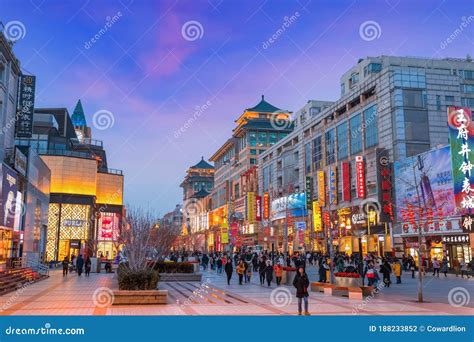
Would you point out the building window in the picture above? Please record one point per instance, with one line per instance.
(342, 141)
(409, 79)
(262, 138)
(370, 116)
(343, 89)
(353, 80)
(467, 74)
(330, 147)
(416, 125)
(413, 98)
(252, 139)
(307, 157)
(449, 100)
(414, 149)
(467, 88)
(317, 153)
(467, 102)
(355, 124)
(253, 152)
(438, 102)
(272, 138)
(253, 161)
(314, 111)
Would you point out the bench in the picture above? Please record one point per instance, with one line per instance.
(356, 293)
(125, 297)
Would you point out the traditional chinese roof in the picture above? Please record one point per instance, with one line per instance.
(263, 107)
(200, 194)
(78, 118)
(202, 165)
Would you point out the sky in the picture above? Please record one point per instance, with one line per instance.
(162, 82)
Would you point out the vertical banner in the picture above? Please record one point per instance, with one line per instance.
(224, 235)
(309, 192)
(266, 206)
(461, 138)
(26, 105)
(321, 189)
(258, 208)
(384, 183)
(360, 177)
(317, 221)
(234, 232)
(333, 185)
(251, 207)
(346, 181)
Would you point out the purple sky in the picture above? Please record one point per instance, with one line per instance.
(144, 71)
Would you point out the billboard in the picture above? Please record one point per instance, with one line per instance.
(108, 226)
(9, 188)
(26, 104)
(461, 137)
(251, 217)
(360, 177)
(435, 190)
(346, 181)
(266, 206)
(289, 206)
(321, 189)
(332, 185)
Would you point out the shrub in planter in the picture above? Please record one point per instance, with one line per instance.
(173, 267)
(146, 279)
(347, 274)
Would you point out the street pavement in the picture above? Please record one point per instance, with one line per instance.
(73, 295)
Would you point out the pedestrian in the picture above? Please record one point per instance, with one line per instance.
(435, 266)
(397, 270)
(464, 269)
(79, 264)
(73, 261)
(219, 265)
(269, 272)
(228, 270)
(246, 265)
(386, 269)
(204, 262)
(444, 266)
(323, 267)
(371, 275)
(301, 283)
(240, 269)
(456, 266)
(249, 271)
(278, 273)
(65, 266)
(88, 265)
(411, 263)
(261, 271)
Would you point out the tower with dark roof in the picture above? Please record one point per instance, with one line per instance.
(199, 180)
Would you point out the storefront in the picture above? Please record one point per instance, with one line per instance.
(5, 247)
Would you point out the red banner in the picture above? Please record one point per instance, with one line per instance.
(258, 208)
(266, 206)
(346, 181)
(360, 177)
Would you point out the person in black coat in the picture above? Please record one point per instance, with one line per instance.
(269, 272)
(322, 271)
(261, 271)
(79, 264)
(228, 270)
(65, 266)
(301, 283)
(386, 269)
(88, 265)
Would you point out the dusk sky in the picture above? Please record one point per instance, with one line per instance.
(147, 74)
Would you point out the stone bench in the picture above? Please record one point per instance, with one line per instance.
(125, 297)
(356, 293)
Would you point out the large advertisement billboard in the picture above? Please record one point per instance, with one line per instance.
(434, 200)
(289, 206)
(9, 188)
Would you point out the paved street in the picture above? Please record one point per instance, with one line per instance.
(75, 296)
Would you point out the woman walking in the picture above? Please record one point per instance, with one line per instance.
(397, 270)
(261, 271)
(386, 269)
(65, 266)
(435, 267)
(278, 273)
(444, 266)
(240, 269)
(79, 264)
(88, 265)
(464, 269)
(301, 283)
(249, 272)
(228, 270)
(269, 272)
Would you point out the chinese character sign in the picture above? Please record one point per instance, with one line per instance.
(461, 136)
(251, 207)
(317, 220)
(360, 177)
(321, 189)
(346, 181)
(258, 208)
(309, 191)
(266, 206)
(333, 185)
(25, 108)
(384, 183)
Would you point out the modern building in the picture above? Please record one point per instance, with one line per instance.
(234, 197)
(86, 197)
(334, 169)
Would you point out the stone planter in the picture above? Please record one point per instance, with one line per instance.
(347, 282)
(167, 277)
(141, 297)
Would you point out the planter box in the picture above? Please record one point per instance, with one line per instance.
(142, 297)
(180, 277)
(347, 282)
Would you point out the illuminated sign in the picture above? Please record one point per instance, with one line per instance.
(384, 180)
(309, 192)
(333, 185)
(346, 181)
(251, 207)
(456, 239)
(360, 177)
(317, 221)
(26, 104)
(462, 159)
(258, 208)
(266, 206)
(321, 189)
(108, 226)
